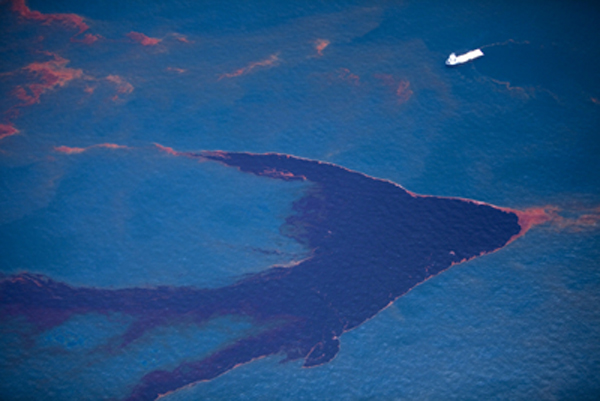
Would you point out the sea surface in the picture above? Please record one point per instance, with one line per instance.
(88, 198)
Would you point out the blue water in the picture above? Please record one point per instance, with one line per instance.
(516, 128)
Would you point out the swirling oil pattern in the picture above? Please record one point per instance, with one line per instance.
(154, 235)
(371, 241)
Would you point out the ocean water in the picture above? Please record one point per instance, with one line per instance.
(517, 128)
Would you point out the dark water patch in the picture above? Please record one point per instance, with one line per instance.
(371, 241)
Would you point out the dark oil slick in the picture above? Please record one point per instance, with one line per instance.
(371, 241)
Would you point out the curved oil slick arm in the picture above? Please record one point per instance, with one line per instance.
(371, 240)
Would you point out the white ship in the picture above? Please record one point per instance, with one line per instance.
(453, 59)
